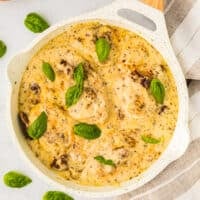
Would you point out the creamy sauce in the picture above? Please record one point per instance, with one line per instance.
(116, 97)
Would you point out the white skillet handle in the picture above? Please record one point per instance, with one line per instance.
(156, 15)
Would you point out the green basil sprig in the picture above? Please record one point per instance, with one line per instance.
(74, 93)
(3, 48)
(48, 71)
(56, 195)
(102, 160)
(35, 23)
(16, 180)
(38, 127)
(79, 74)
(87, 131)
(150, 140)
(157, 89)
(102, 49)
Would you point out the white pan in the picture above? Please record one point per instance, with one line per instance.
(158, 37)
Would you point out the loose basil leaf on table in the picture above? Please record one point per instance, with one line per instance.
(48, 71)
(16, 180)
(150, 140)
(38, 127)
(35, 23)
(104, 161)
(102, 49)
(157, 89)
(74, 93)
(56, 195)
(3, 48)
(87, 131)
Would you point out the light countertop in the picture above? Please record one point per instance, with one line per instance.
(16, 36)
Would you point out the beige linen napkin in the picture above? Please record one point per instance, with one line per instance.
(183, 22)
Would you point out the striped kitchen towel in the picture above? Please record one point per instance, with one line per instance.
(183, 22)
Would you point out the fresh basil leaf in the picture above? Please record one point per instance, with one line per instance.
(35, 23)
(38, 127)
(87, 131)
(102, 160)
(157, 89)
(74, 93)
(102, 49)
(16, 180)
(3, 48)
(56, 195)
(150, 140)
(79, 74)
(48, 71)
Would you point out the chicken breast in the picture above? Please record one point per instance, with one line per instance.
(108, 120)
